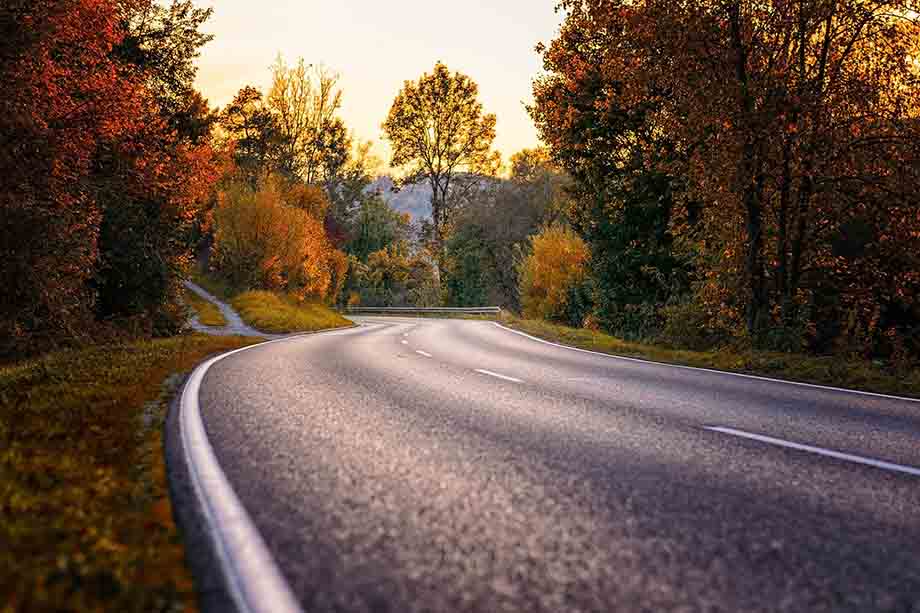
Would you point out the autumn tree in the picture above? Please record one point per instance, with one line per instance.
(313, 142)
(438, 131)
(265, 238)
(97, 187)
(487, 234)
(552, 273)
(771, 125)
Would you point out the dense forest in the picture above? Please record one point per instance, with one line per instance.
(712, 173)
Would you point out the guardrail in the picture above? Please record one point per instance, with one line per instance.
(488, 310)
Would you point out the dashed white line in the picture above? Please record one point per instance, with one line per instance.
(712, 370)
(405, 342)
(498, 376)
(424, 353)
(910, 470)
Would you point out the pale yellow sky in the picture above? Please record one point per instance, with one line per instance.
(376, 45)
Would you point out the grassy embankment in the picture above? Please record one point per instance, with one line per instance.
(276, 313)
(272, 312)
(208, 313)
(822, 370)
(87, 524)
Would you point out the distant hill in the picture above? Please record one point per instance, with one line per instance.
(415, 200)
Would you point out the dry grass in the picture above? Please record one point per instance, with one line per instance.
(271, 312)
(823, 370)
(87, 523)
(208, 313)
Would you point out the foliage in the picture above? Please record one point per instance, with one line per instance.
(393, 276)
(784, 136)
(87, 523)
(272, 312)
(253, 131)
(376, 226)
(263, 239)
(488, 232)
(438, 132)
(313, 142)
(97, 188)
(164, 42)
(551, 273)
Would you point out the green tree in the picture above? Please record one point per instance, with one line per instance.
(487, 232)
(375, 227)
(251, 126)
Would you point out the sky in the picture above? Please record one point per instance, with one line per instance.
(376, 45)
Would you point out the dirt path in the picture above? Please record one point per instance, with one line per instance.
(235, 324)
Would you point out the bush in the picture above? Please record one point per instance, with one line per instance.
(689, 326)
(552, 275)
(262, 242)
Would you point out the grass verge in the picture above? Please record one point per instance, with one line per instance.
(271, 312)
(208, 313)
(87, 523)
(822, 370)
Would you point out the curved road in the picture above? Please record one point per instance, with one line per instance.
(446, 465)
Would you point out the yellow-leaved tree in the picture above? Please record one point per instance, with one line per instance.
(552, 272)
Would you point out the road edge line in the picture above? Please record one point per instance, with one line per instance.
(710, 370)
(249, 571)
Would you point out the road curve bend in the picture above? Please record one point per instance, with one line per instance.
(451, 465)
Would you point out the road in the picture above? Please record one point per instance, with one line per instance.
(448, 465)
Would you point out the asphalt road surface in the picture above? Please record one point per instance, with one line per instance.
(445, 465)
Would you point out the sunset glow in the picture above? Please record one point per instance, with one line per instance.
(375, 46)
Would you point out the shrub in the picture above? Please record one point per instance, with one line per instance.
(688, 325)
(262, 242)
(552, 273)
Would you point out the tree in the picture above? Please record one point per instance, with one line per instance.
(772, 123)
(254, 133)
(163, 43)
(552, 273)
(375, 227)
(263, 239)
(61, 94)
(98, 187)
(487, 233)
(313, 142)
(437, 131)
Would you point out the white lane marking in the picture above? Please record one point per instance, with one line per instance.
(424, 353)
(910, 470)
(712, 370)
(404, 342)
(498, 376)
(253, 578)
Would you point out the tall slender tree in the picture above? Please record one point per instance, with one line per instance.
(437, 130)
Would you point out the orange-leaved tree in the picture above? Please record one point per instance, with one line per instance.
(265, 239)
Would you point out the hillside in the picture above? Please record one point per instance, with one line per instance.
(415, 200)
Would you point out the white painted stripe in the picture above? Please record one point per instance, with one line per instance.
(424, 353)
(498, 376)
(404, 342)
(248, 568)
(712, 370)
(839, 455)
